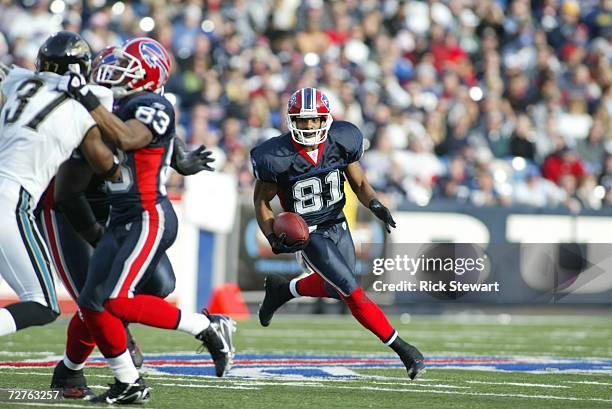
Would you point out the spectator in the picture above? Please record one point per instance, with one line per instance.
(457, 82)
(563, 163)
(536, 191)
(521, 141)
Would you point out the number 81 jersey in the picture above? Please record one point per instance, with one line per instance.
(143, 171)
(312, 186)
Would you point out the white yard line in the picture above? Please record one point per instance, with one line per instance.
(589, 383)
(527, 385)
(191, 385)
(427, 385)
(25, 353)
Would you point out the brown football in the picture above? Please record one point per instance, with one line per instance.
(292, 225)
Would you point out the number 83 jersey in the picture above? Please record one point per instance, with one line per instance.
(143, 171)
(310, 183)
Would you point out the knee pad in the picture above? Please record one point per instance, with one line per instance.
(30, 313)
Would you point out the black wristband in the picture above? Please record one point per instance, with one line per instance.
(89, 101)
(271, 238)
(177, 152)
(373, 202)
(78, 212)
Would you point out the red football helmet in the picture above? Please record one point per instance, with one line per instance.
(141, 64)
(308, 103)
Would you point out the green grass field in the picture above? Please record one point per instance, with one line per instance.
(531, 338)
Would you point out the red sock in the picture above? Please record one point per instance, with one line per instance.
(313, 285)
(145, 309)
(79, 343)
(107, 330)
(369, 314)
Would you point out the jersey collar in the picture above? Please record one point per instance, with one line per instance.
(300, 149)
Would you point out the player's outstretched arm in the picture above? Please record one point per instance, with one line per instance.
(70, 183)
(139, 136)
(366, 194)
(113, 129)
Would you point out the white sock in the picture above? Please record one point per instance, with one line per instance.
(193, 323)
(7, 322)
(123, 368)
(293, 288)
(72, 365)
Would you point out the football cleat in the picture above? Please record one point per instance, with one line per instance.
(217, 338)
(411, 357)
(125, 393)
(277, 294)
(135, 352)
(70, 383)
(226, 327)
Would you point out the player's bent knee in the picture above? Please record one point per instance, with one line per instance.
(89, 303)
(161, 288)
(119, 308)
(163, 292)
(357, 297)
(31, 313)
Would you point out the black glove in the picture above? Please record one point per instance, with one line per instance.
(382, 213)
(279, 246)
(73, 84)
(190, 163)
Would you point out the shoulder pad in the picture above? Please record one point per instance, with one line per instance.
(349, 138)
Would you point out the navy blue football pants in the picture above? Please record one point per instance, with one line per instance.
(71, 255)
(125, 260)
(331, 254)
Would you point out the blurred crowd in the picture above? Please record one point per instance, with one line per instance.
(489, 102)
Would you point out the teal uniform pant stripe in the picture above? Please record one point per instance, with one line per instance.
(35, 250)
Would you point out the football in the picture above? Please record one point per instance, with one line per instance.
(292, 225)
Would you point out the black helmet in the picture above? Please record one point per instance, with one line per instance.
(62, 52)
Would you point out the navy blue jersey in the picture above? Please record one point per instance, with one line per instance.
(143, 171)
(313, 189)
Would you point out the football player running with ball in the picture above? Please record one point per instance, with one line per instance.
(306, 168)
